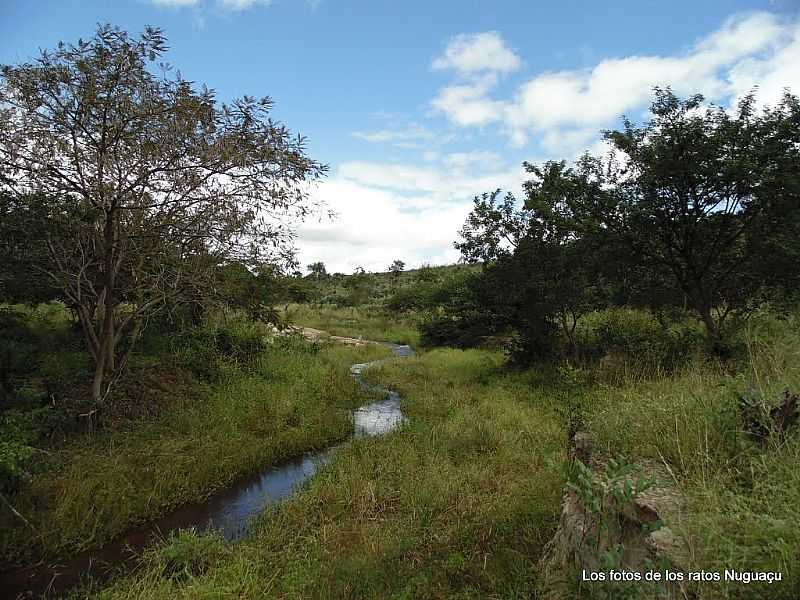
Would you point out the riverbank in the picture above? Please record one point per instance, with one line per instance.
(287, 401)
(458, 503)
(462, 502)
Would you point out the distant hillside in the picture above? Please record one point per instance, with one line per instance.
(360, 289)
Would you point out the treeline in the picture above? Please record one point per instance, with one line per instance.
(695, 212)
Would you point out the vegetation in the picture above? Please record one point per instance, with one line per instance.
(199, 410)
(647, 298)
(133, 188)
(459, 503)
(686, 203)
(462, 500)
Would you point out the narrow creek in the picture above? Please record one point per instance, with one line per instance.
(228, 512)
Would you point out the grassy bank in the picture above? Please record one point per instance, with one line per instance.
(743, 495)
(456, 504)
(460, 502)
(84, 489)
(371, 324)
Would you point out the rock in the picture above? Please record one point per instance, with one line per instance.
(584, 536)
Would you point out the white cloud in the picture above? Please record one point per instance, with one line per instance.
(563, 108)
(478, 52)
(242, 4)
(390, 211)
(478, 159)
(413, 211)
(395, 135)
(175, 3)
(467, 104)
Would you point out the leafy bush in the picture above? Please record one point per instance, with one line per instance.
(409, 298)
(448, 331)
(202, 349)
(641, 338)
(14, 451)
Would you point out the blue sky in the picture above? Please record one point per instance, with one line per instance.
(418, 106)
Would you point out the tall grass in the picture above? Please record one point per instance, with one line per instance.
(744, 497)
(458, 503)
(371, 324)
(95, 486)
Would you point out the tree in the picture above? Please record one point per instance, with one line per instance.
(396, 268)
(492, 229)
(18, 219)
(695, 185)
(145, 184)
(255, 292)
(542, 267)
(359, 285)
(568, 249)
(317, 270)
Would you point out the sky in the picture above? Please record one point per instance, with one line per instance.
(419, 106)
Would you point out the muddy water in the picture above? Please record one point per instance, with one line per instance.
(229, 512)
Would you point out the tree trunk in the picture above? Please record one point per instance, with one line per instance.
(99, 375)
(712, 329)
(105, 363)
(570, 333)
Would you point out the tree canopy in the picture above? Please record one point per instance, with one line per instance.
(698, 205)
(141, 183)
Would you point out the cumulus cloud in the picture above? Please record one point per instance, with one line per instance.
(468, 104)
(478, 52)
(561, 108)
(390, 211)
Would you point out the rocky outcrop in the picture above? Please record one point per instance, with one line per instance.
(316, 335)
(614, 517)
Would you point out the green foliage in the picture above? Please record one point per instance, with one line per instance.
(460, 332)
(742, 494)
(147, 219)
(458, 504)
(317, 270)
(686, 215)
(205, 349)
(187, 554)
(289, 399)
(14, 449)
(639, 337)
(367, 323)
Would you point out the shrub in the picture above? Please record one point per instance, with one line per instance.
(203, 349)
(641, 338)
(455, 332)
(188, 554)
(14, 451)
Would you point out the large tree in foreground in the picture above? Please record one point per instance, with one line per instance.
(146, 184)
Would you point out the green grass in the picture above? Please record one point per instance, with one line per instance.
(458, 503)
(744, 499)
(371, 324)
(95, 486)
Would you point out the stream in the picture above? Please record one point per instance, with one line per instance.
(228, 512)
